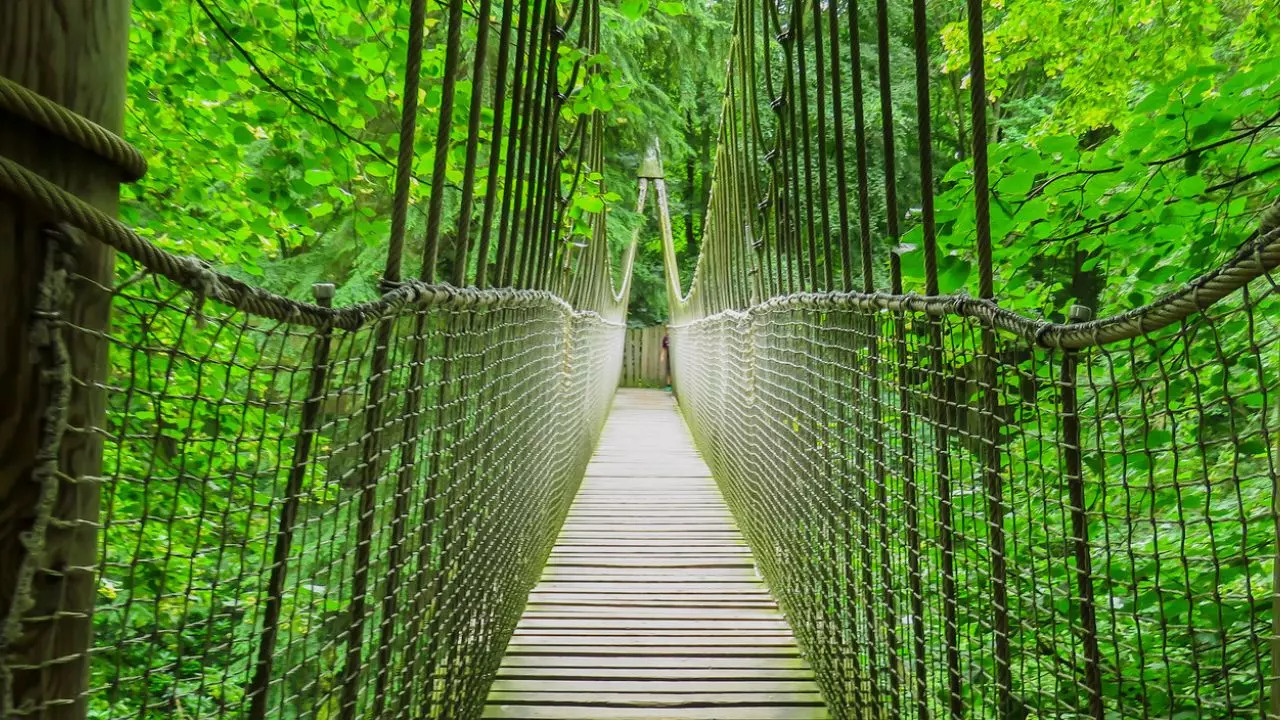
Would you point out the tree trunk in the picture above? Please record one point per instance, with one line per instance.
(75, 53)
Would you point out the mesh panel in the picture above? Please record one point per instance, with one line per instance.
(283, 534)
(959, 521)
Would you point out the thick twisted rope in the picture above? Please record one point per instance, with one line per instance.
(201, 279)
(49, 115)
(1256, 258)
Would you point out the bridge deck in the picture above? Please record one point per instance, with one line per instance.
(649, 606)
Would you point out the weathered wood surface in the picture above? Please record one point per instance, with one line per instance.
(642, 364)
(650, 606)
(75, 53)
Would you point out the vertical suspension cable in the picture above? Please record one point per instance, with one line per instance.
(528, 133)
(538, 137)
(444, 131)
(860, 146)
(553, 153)
(408, 132)
(548, 153)
(797, 34)
(495, 148)
(791, 151)
(842, 182)
(978, 108)
(515, 150)
(942, 458)
(462, 235)
(824, 187)
(884, 76)
(990, 424)
(924, 131)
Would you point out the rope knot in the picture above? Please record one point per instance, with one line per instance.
(1042, 332)
(201, 279)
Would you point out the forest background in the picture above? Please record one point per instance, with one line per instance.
(1134, 145)
(270, 126)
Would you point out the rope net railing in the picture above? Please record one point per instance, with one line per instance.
(989, 505)
(244, 505)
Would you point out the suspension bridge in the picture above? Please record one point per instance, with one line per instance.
(874, 500)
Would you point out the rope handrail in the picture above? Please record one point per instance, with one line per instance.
(1255, 260)
(69, 125)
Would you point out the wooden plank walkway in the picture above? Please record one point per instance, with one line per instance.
(650, 607)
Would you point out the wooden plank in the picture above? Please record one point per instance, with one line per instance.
(630, 623)
(650, 605)
(752, 674)
(631, 685)
(592, 712)
(698, 612)
(682, 640)
(672, 661)
(656, 699)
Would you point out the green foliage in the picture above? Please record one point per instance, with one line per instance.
(1146, 209)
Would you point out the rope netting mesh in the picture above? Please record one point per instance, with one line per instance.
(306, 511)
(967, 511)
(319, 550)
(1112, 539)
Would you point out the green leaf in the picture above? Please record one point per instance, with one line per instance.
(316, 177)
(671, 8)
(243, 135)
(1190, 187)
(634, 9)
(953, 273)
(589, 203)
(1017, 184)
(378, 169)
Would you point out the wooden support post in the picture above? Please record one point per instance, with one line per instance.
(993, 479)
(308, 426)
(911, 499)
(73, 52)
(1073, 462)
(943, 410)
(370, 473)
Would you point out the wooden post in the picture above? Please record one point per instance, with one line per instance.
(73, 52)
(1072, 456)
(309, 425)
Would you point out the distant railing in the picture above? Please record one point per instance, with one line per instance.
(644, 360)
